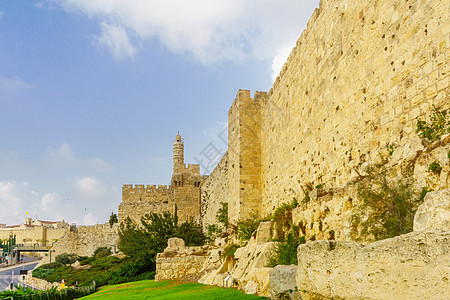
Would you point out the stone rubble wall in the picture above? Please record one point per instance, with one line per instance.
(168, 268)
(178, 261)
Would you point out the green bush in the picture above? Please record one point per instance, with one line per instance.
(230, 250)
(388, 205)
(285, 252)
(282, 218)
(66, 258)
(435, 167)
(247, 227)
(85, 260)
(42, 273)
(105, 263)
(222, 214)
(438, 126)
(101, 252)
(53, 265)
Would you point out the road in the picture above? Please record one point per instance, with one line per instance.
(5, 275)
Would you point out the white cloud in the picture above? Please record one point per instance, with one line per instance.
(64, 157)
(14, 84)
(210, 31)
(90, 219)
(90, 188)
(280, 58)
(18, 198)
(117, 41)
(11, 201)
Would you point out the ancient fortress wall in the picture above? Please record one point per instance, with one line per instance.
(140, 199)
(214, 191)
(354, 84)
(25, 236)
(351, 89)
(84, 240)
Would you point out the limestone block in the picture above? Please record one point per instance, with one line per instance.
(410, 266)
(434, 213)
(175, 244)
(282, 280)
(263, 232)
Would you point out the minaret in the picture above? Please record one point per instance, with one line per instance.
(178, 154)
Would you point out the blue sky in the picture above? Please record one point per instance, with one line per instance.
(93, 92)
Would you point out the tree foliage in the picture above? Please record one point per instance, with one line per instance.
(113, 219)
(142, 243)
(66, 258)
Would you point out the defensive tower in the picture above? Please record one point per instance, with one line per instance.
(178, 154)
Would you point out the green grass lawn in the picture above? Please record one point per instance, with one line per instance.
(149, 289)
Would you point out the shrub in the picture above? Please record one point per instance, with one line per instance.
(42, 273)
(101, 252)
(438, 126)
(230, 250)
(247, 227)
(53, 265)
(387, 204)
(282, 218)
(285, 252)
(85, 260)
(222, 214)
(113, 219)
(66, 258)
(435, 167)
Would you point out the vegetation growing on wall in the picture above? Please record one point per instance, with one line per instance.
(247, 227)
(285, 252)
(222, 214)
(438, 125)
(388, 205)
(282, 218)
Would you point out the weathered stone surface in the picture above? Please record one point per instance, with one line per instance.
(410, 266)
(434, 213)
(263, 232)
(247, 268)
(179, 261)
(282, 281)
(175, 244)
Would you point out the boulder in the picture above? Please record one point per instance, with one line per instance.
(282, 283)
(434, 213)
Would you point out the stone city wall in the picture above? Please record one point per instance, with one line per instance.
(349, 93)
(84, 240)
(214, 192)
(353, 86)
(27, 236)
(140, 199)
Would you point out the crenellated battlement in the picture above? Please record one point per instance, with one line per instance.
(141, 192)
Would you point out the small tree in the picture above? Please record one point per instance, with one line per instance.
(113, 219)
